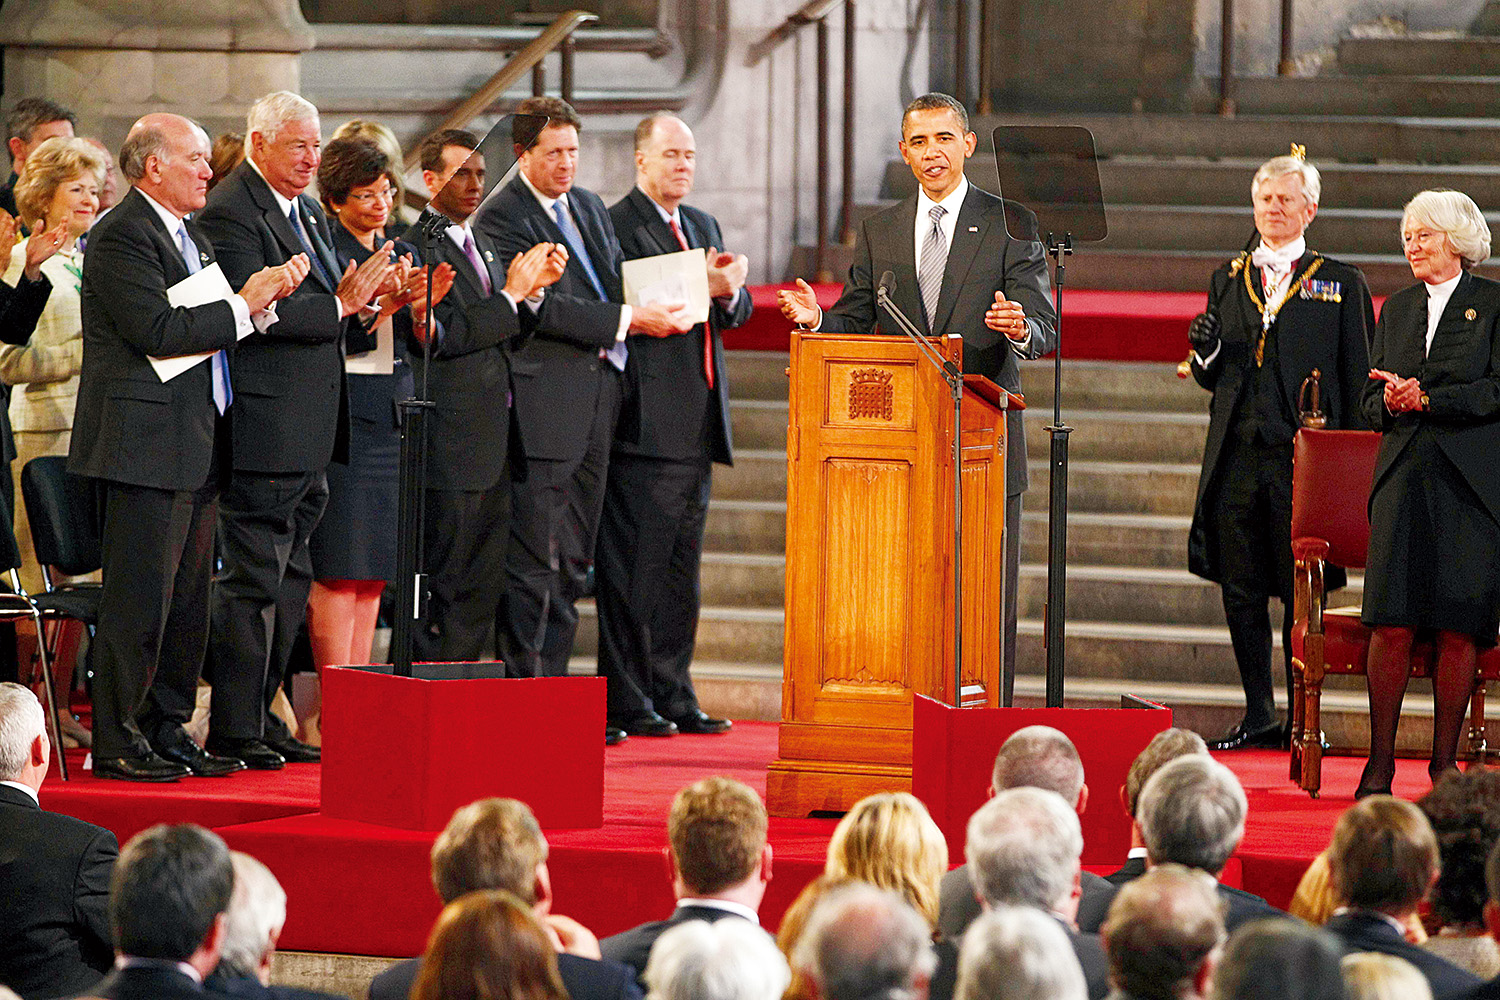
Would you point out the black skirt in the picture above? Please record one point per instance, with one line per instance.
(1433, 548)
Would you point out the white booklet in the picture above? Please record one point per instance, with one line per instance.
(381, 360)
(208, 285)
(669, 277)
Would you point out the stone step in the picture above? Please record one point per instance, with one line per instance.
(1349, 138)
(758, 374)
(746, 526)
(1121, 435)
(1462, 95)
(744, 579)
(1398, 55)
(758, 423)
(756, 475)
(1336, 231)
(1145, 540)
(1149, 386)
(732, 634)
(1124, 487)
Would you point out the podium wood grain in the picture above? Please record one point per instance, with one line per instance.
(869, 561)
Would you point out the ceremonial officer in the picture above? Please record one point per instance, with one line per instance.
(1276, 315)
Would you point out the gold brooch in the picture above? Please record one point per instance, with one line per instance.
(1470, 315)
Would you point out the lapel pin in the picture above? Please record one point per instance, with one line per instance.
(204, 257)
(1470, 315)
(489, 256)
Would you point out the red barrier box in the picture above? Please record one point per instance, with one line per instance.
(953, 756)
(407, 751)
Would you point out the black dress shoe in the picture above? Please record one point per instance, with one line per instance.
(178, 747)
(1270, 737)
(146, 768)
(645, 724)
(256, 755)
(614, 736)
(701, 723)
(293, 749)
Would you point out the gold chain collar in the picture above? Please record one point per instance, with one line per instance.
(1269, 313)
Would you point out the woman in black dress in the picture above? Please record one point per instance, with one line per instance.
(354, 546)
(1435, 503)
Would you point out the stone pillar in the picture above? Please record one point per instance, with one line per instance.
(112, 61)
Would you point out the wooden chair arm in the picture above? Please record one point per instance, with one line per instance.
(1308, 593)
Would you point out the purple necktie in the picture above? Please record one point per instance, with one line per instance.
(472, 252)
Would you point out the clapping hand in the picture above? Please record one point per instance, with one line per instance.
(534, 270)
(799, 304)
(1402, 395)
(359, 285)
(726, 273)
(271, 283)
(442, 282)
(40, 245)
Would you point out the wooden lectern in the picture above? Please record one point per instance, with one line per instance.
(869, 561)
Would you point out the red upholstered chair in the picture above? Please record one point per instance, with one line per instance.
(1332, 472)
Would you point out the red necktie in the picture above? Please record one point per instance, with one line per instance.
(708, 343)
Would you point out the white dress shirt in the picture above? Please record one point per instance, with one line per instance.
(1437, 300)
(25, 788)
(241, 309)
(952, 202)
(728, 906)
(547, 202)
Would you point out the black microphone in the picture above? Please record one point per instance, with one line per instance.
(887, 283)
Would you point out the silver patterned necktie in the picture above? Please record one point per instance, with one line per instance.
(934, 259)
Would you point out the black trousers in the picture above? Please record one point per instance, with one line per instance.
(1254, 520)
(157, 548)
(465, 536)
(554, 524)
(646, 574)
(260, 597)
(1010, 597)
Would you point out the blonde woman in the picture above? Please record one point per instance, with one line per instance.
(890, 841)
(1369, 975)
(380, 135)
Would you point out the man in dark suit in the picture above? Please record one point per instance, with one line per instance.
(290, 421)
(1192, 813)
(473, 445)
(167, 905)
(497, 844)
(31, 122)
(720, 864)
(568, 389)
(158, 448)
(1491, 990)
(1382, 860)
(1165, 747)
(956, 272)
(660, 468)
(252, 924)
(1023, 848)
(1163, 935)
(54, 869)
(1031, 757)
(1275, 316)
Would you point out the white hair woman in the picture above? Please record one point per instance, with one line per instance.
(1434, 391)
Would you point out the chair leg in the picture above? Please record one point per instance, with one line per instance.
(1297, 712)
(53, 716)
(1478, 745)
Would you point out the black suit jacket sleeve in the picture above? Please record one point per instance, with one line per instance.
(91, 888)
(21, 307)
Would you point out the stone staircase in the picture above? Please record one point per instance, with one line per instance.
(1139, 623)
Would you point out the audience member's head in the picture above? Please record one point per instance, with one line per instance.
(891, 841)
(1192, 812)
(1383, 856)
(25, 750)
(794, 920)
(492, 844)
(1370, 975)
(109, 187)
(1041, 757)
(382, 136)
(1165, 747)
(866, 943)
(257, 912)
(1464, 811)
(551, 160)
(60, 183)
(1018, 953)
(717, 832)
(1492, 883)
(166, 156)
(1279, 959)
(453, 170)
(723, 960)
(32, 122)
(169, 893)
(1023, 848)
(1163, 934)
(227, 152)
(357, 183)
(282, 137)
(486, 946)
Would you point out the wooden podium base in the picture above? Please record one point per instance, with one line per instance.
(798, 788)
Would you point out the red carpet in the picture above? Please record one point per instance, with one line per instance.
(361, 889)
(1097, 326)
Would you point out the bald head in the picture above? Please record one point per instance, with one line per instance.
(166, 156)
(665, 159)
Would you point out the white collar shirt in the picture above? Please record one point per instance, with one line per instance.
(1437, 300)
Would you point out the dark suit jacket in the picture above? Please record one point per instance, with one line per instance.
(290, 399)
(583, 978)
(981, 261)
(633, 947)
(1332, 337)
(225, 985)
(557, 372)
(154, 982)
(130, 427)
(680, 416)
(1239, 906)
(958, 906)
(1368, 932)
(1087, 947)
(1132, 869)
(20, 308)
(1461, 376)
(471, 431)
(54, 899)
(1486, 991)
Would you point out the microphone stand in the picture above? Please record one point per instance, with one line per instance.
(954, 376)
(1054, 625)
(411, 582)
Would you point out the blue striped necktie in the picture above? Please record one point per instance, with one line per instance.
(219, 363)
(564, 217)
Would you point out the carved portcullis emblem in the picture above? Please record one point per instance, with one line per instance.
(870, 394)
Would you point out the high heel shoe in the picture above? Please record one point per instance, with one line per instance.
(1370, 783)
